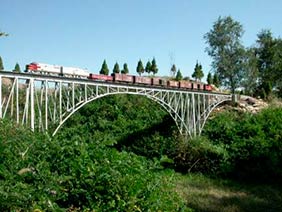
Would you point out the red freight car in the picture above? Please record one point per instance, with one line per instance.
(156, 81)
(194, 85)
(100, 77)
(185, 84)
(207, 87)
(127, 78)
(122, 78)
(201, 86)
(142, 80)
(163, 82)
(174, 84)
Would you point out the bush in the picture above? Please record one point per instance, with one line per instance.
(253, 143)
(198, 155)
(72, 172)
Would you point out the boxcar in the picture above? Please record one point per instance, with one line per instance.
(174, 84)
(185, 84)
(100, 77)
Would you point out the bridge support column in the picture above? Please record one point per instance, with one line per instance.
(1, 97)
(32, 104)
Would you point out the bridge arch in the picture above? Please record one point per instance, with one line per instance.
(163, 104)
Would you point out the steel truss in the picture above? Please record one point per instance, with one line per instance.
(46, 102)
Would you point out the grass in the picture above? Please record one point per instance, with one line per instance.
(205, 194)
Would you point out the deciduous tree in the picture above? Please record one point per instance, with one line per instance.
(269, 55)
(250, 76)
(226, 50)
(3, 34)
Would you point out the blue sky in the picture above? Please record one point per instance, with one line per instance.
(82, 33)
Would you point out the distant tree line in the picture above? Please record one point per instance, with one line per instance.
(151, 67)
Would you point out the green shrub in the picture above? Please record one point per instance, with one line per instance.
(75, 171)
(253, 143)
(198, 155)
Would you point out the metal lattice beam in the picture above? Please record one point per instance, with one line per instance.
(42, 101)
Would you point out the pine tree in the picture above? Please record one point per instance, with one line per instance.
(1, 64)
(154, 68)
(173, 70)
(178, 75)
(17, 68)
(125, 69)
(148, 67)
(104, 70)
(209, 78)
(216, 80)
(198, 72)
(140, 68)
(116, 69)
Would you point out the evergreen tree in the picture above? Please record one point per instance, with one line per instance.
(148, 67)
(178, 75)
(186, 78)
(104, 70)
(173, 70)
(1, 64)
(154, 68)
(198, 72)
(209, 78)
(125, 69)
(215, 80)
(140, 68)
(17, 68)
(116, 69)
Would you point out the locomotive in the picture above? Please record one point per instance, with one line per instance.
(43, 68)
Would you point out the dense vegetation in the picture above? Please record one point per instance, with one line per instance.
(253, 143)
(117, 154)
(80, 169)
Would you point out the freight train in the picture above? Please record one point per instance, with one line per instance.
(43, 68)
(150, 81)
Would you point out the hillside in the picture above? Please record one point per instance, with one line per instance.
(123, 153)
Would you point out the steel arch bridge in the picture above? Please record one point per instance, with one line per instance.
(39, 101)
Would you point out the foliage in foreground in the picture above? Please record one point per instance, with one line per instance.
(253, 143)
(76, 172)
(240, 145)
